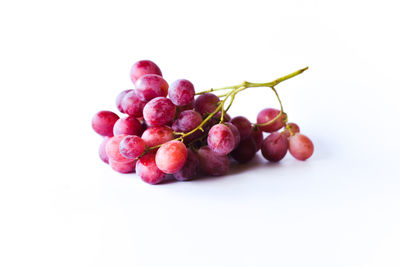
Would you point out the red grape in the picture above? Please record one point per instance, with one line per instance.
(245, 151)
(131, 105)
(103, 122)
(181, 92)
(147, 169)
(274, 147)
(206, 103)
(128, 125)
(123, 167)
(190, 169)
(235, 132)
(112, 149)
(119, 99)
(159, 111)
(293, 127)
(144, 67)
(189, 106)
(300, 146)
(267, 115)
(257, 136)
(221, 139)
(171, 156)
(243, 125)
(157, 135)
(187, 121)
(212, 163)
(102, 149)
(151, 86)
(132, 146)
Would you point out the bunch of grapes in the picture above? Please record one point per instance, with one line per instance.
(168, 131)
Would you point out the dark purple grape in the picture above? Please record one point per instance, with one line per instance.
(190, 169)
(181, 92)
(132, 146)
(132, 105)
(275, 147)
(245, 151)
(151, 86)
(128, 125)
(159, 111)
(187, 121)
(212, 163)
(147, 169)
(243, 125)
(119, 100)
(257, 136)
(221, 139)
(144, 67)
(235, 132)
(103, 122)
(206, 103)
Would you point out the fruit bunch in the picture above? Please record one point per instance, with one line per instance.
(167, 130)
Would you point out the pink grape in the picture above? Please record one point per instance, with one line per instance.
(159, 111)
(181, 92)
(119, 98)
(112, 149)
(190, 169)
(144, 67)
(132, 146)
(187, 121)
(103, 122)
(147, 169)
(157, 135)
(123, 167)
(102, 149)
(171, 156)
(151, 86)
(267, 115)
(235, 132)
(243, 125)
(206, 103)
(221, 139)
(293, 127)
(274, 147)
(300, 146)
(212, 163)
(128, 125)
(257, 135)
(132, 105)
(245, 151)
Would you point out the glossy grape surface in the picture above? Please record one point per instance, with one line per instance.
(119, 98)
(144, 67)
(171, 156)
(300, 146)
(128, 125)
(123, 167)
(221, 139)
(274, 147)
(157, 135)
(190, 169)
(181, 92)
(243, 125)
(159, 111)
(151, 86)
(132, 105)
(103, 122)
(206, 103)
(267, 115)
(112, 149)
(235, 132)
(187, 121)
(132, 146)
(245, 151)
(147, 169)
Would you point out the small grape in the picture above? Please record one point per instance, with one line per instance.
(157, 135)
(123, 167)
(181, 92)
(293, 127)
(221, 139)
(187, 121)
(112, 149)
(206, 103)
(257, 136)
(131, 105)
(243, 125)
(151, 86)
(147, 169)
(267, 115)
(300, 146)
(102, 149)
(159, 111)
(103, 122)
(190, 169)
(119, 98)
(171, 156)
(212, 163)
(274, 147)
(245, 151)
(128, 125)
(144, 67)
(132, 146)
(235, 132)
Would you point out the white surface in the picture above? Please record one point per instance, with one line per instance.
(63, 61)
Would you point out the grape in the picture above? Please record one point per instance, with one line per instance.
(212, 163)
(235, 132)
(243, 125)
(171, 156)
(132, 146)
(300, 146)
(217, 117)
(190, 169)
(157, 135)
(221, 139)
(245, 151)
(144, 67)
(147, 169)
(103, 122)
(189, 106)
(187, 121)
(267, 115)
(257, 135)
(102, 149)
(128, 125)
(119, 98)
(151, 86)
(123, 167)
(293, 127)
(112, 149)
(274, 147)
(206, 103)
(159, 111)
(181, 92)
(131, 105)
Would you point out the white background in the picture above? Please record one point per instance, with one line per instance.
(62, 61)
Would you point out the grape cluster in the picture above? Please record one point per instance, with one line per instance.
(168, 131)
